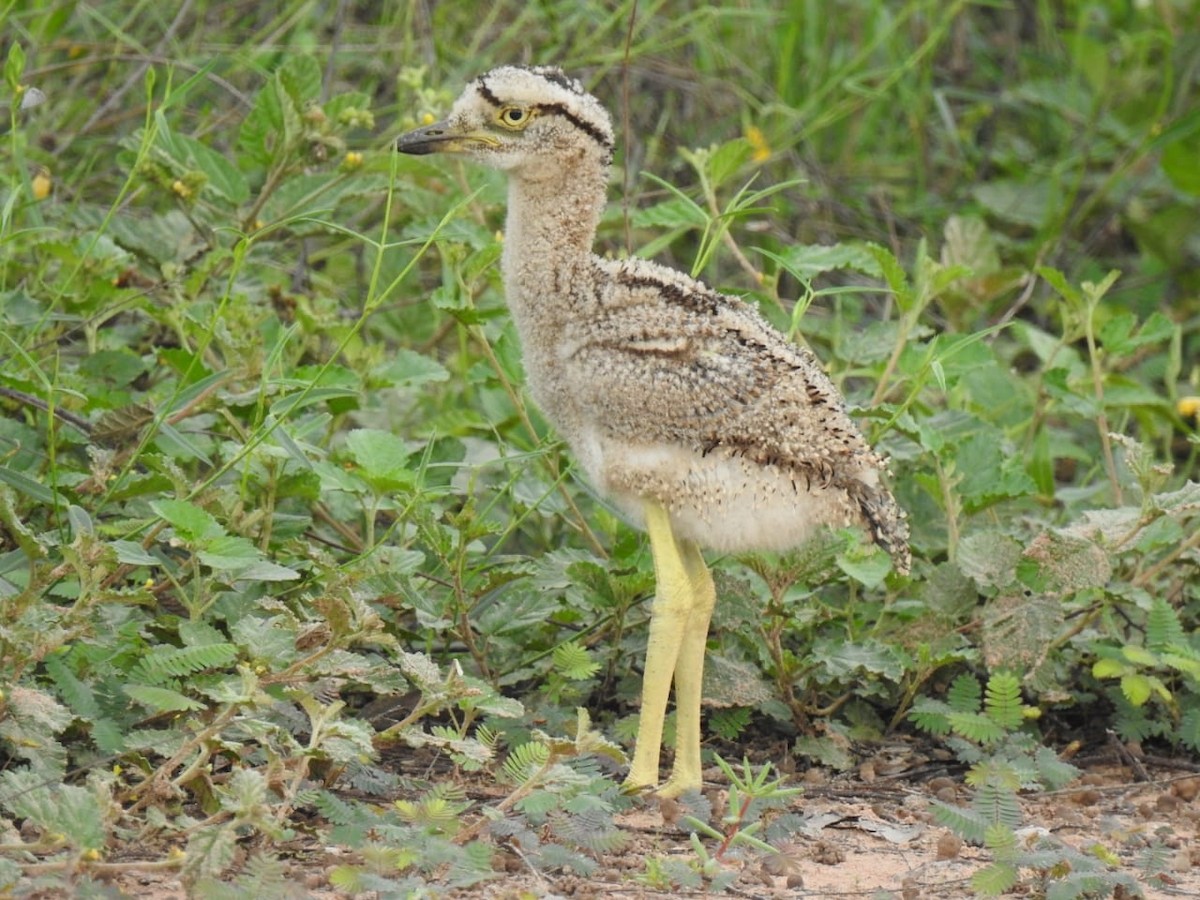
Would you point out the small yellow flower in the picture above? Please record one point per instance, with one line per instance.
(1189, 407)
(352, 160)
(181, 189)
(760, 149)
(428, 119)
(41, 184)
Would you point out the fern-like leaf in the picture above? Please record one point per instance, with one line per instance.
(524, 762)
(1002, 701)
(997, 805)
(1163, 628)
(1053, 773)
(932, 716)
(160, 665)
(964, 695)
(994, 879)
(977, 727)
(162, 699)
(1189, 728)
(574, 661)
(729, 723)
(590, 829)
(966, 823)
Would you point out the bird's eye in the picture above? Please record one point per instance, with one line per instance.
(514, 116)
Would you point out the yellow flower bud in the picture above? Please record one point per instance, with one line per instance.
(1189, 407)
(41, 184)
(181, 189)
(760, 149)
(352, 160)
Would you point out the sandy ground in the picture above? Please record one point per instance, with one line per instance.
(861, 836)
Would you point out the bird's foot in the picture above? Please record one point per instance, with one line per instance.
(675, 786)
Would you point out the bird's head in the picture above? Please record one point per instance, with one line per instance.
(522, 120)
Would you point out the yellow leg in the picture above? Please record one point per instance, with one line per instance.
(689, 676)
(679, 619)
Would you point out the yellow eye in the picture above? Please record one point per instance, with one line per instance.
(514, 116)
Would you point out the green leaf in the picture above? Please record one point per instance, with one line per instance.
(1058, 281)
(1178, 161)
(725, 161)
(1026, 203)
(965, 694)
(408, 368)
(867, 564)
(300, 76)
(1002, 700)
(574, 661)
(966, 823)
(1163, 628)
(14, 67)
(382, 458)
(191, 523)
(1140, 656)
(133, 554)
(994, 879)
(162, 699)
(1109, 668)
(1136, 688)
(222, 176)
(970, 243)
(806, 261)
(162, 664)
(66, 809)
(34, 490)
(229, 552)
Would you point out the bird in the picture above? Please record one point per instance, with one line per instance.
(697, 420)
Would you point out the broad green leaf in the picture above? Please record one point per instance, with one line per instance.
(1109, 668)
(806, 261)
(1140, 656)
(382, 457)
(725, 161)
(1136, 688)
(1025, 203)
(66, 809)
(34, 490)
(229, 552)
(191, 523)
(408, 368)
(133, 554)
(868, 566)
(969, 242)
(222, 176)
(300, 76)
(1179, 162)
(265, 570)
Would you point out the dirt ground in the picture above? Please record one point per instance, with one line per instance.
(863, 835)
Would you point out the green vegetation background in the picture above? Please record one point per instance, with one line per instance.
(274, 507)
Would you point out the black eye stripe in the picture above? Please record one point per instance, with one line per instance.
(582, 124)
(486, 93)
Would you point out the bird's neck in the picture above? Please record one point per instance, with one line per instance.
(552, 219)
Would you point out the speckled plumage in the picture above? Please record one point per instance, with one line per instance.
(662, 387)
(672, 396)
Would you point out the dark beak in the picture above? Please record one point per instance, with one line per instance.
(429, 139)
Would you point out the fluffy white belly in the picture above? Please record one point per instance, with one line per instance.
(719, 501)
